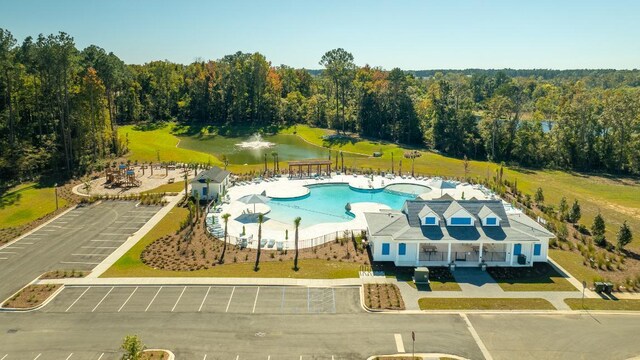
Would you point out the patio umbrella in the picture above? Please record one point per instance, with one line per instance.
(254, 199)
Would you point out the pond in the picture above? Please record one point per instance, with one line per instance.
(288, 147)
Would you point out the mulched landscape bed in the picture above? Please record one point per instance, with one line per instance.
(194, 249)
(383, 297)
(154, 355)
(30, 296)
(64, 274)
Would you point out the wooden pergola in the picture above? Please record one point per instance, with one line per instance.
(309, 165)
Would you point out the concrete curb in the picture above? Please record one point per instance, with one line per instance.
(34, 308)
(422, 355)
(209, 281)
(38, 227)
(169, 352)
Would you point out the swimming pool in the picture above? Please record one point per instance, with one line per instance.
(325, 203)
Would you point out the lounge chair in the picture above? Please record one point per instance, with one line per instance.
(263, 242)
(271, 243)
(280, 245)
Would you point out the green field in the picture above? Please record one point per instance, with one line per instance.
(26, 203)
(130, 264)
(617, 199)
(604, 304)
(485, 304)
(147, 145)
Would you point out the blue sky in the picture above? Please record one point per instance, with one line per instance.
(422, 34)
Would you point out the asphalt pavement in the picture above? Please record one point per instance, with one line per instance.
(77, 240)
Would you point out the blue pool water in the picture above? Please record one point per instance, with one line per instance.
(325, 203)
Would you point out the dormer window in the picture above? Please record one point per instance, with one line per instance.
(488, 217)
(456, 215)
(428, 217)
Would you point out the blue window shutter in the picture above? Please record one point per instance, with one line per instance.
(517, 249)
(536, 249)
(402, 249)
(385, 249)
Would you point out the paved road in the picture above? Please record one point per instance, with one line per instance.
(242, 326)
(79, 240)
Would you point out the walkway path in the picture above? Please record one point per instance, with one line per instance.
(476, 283)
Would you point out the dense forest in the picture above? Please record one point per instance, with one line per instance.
(60, 106)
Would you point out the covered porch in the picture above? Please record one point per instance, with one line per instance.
(464, 254)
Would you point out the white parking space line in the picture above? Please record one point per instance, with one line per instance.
(230, 297)
(399, 343)
(205, 357)
(8, 355)
(255, 302)
(126, 301)
(14, 247)
(99, 247)
(202, 303)
(237, 357)
(96, 240)
(179, 297)
(87, 254)
(128, 228)
(26, 243)
(148, 306)
(70, 306)
(7, 252)
(36, 358)
(69, 357)
(4, 258)
(476, 337)
(78, 263)
(101, 355)
(104, 297)
(113, 234)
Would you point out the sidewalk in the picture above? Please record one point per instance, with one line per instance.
(475, 283)
(185, 281)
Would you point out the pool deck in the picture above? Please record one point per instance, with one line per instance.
(242, 214)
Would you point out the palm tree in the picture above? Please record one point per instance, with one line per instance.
(296, 222)
(208, 193)
(225, 217)
(275, 161)
(260, 219)
(186, 175)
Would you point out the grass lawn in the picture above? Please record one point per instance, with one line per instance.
(130, 264)
(484, 304)
(540, 277)
(145, 145)
(177, 186)
(602, 304)
(572, 262)
(26, 203)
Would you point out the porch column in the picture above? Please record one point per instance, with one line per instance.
(511, 260)
(417, 254)
(449, 254)
(480, 254)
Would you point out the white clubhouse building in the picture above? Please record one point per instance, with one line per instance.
(460, 232)
(218, 183)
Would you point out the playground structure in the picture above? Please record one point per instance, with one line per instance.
(121, 175)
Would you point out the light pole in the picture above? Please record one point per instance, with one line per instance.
(55, 190)
(413, 345)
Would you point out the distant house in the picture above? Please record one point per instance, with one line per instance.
(218, 183)
(463, 232)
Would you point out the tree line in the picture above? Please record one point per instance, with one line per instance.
(60, 106)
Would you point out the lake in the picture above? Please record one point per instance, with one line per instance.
(288, 147)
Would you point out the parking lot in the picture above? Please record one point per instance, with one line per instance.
(77, 240)
(86, 355)
(217, 299)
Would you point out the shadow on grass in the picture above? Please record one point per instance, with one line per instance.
(226, 130)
